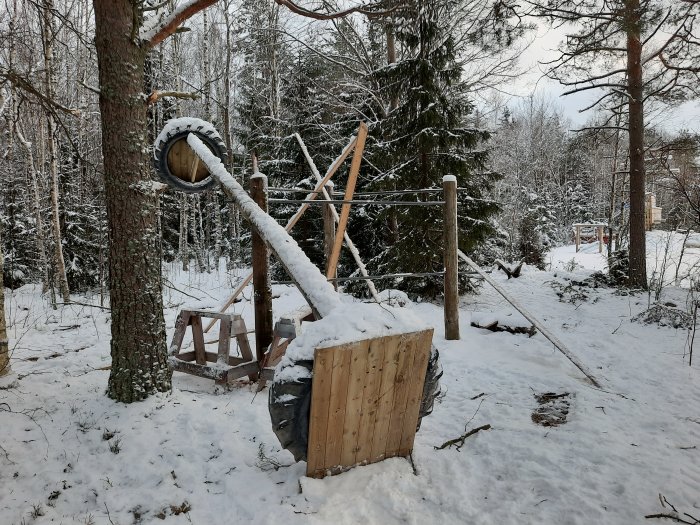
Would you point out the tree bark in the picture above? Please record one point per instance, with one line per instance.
(139, 359)
(4, 345)
(638, 267)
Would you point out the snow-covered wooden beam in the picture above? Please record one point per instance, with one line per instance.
(319, 293)
(527, 315)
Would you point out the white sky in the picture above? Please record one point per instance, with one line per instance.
(543, 48)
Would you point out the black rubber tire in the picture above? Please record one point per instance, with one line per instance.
(289, 403)
(179, 129)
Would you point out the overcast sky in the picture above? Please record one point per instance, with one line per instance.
(544, 47)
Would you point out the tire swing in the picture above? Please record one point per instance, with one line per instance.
(176, 163)
(290, 402)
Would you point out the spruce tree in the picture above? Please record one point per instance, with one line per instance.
(427, 137)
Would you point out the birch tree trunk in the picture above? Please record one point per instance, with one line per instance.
(4, 345)
(48, 35)
(139, 359)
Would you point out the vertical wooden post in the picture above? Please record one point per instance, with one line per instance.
(578, 237)
(449, 187)
(600, 239)
(262, 290)
(329, 232)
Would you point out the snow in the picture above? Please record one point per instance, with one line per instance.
(449, 178)
(212, 452)
(178, 124)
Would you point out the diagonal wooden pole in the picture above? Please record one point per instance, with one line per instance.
(543, 330)
(351, 245)
(349, 191)
(292, 221)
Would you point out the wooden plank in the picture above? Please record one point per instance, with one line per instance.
(183, 320)
(249, 368)
(262, 290)
(336, 410)
(318, 413)
(349, 191)
(386, 397)
(224, 341)
(415, 392)
(211, 358)
(370, 400)
(238, 327)
(208, 372)
(353, 403)
(402, 382)
(198, 339)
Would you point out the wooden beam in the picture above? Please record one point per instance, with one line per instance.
(349, 190)
(527, 315)
(292, 221)
(262, 290)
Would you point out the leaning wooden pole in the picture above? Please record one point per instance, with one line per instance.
(317, 291)
(331, 208)
(292, 221)
(262, 289)
(449, 186)
(543, 330)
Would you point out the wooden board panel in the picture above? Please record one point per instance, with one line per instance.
(183, 321)
(415, 391)
(402, 382)
(318, 413)
(370, 400)
(337, 403)
(180, 160)
(386, 399)
(365, 402)
(353, 401)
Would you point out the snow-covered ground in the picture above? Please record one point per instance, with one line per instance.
(202, 455)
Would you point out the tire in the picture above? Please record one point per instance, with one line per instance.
(176, 130)
(289, 403)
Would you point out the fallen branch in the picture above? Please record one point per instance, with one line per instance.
(672, 517)
(459, 442)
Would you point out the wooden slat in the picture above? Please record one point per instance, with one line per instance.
(318, 413)
(370, 400)
(238, 328)
(224, 341)
(183, 320)
(336, 410)
(218, 373)
(386, 398)
(198, 339)
(249, 368)
(402, 382)
(415, 391)
(353, 406)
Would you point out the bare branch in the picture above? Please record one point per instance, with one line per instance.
(171, 22)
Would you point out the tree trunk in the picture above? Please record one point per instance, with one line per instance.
(48, 35)
(638, 266)
(4, 345)
(139, 359)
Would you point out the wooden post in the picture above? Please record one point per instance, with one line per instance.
(600, 239)
(578, 237)
(449, 188)
(262, 290)
(329, 232)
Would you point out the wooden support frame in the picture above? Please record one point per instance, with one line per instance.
(451, 282)
(225, 368)
(365, 401)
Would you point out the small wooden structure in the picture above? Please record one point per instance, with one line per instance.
(225, 367)
(597, 226)
(652, 213)
(365, 401)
